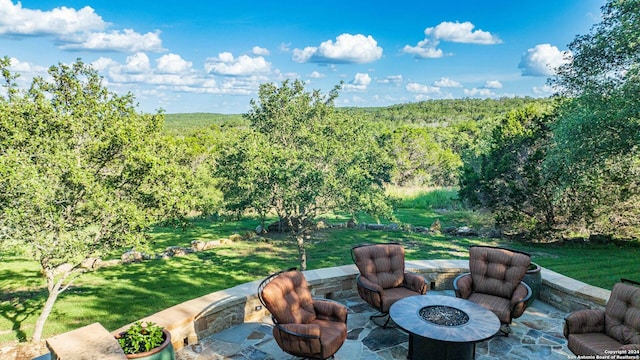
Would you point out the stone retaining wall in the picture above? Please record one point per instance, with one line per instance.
(198, 318)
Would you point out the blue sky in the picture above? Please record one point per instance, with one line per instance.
(211, 56)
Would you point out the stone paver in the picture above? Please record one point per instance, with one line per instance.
(535, 335)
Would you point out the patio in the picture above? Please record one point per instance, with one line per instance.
(535, 335)
(232, 323)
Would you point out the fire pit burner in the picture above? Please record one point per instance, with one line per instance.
(444, 315)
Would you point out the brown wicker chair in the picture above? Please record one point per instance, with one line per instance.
(382, 280)
(303, 326)
(495, 282)
(594, 331)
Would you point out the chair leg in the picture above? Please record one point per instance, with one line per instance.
(505, 330)
(379, 315)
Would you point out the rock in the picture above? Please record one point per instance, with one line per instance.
(450, 230)
(89, 263)
(107, 263)
(393, 227)
(375, 226)
(177, 251)
(197, 245)
(466, 231)
(494, 233)
(260, 230)
(235, 237)
(211, 244)
(436, 226)
(322, 224)
(132, 255)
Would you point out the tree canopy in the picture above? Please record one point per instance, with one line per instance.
(300, 159)
(81, 173)
(596, 150)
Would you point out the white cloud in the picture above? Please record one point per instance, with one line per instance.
(359, 83)
(493, 84)
(260, 51)
(422, 89)
(452, 32)
(475, 92)
(137, 69)
(346, 49)
(542, 60)
(543, 90)
(285, 47)
(27, 72)
(125, 41)
(316, 75)
(173, 64)
(445, 82)
(391, 79)
(461, 33)
(16, 20)
(103, 63)
(423, 51)
(227, 64)
(25, 67)
(137, 63)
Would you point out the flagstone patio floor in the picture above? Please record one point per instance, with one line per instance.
(535, 335)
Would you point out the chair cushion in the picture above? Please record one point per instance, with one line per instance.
(497, 271)
(288, 299)
(382, 264)
(498, 305)
(622, 315)
(591, 343)
(332, 334)
(390, 296)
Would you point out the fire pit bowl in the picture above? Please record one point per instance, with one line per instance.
(444, 315)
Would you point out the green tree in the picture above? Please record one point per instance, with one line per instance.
(81, 174)
(300, 158)
(596, 153)
(508, 178)
(420, 160)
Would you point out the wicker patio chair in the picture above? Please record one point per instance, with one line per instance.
(383, 280)
(495, 282)
(303, 326)
(600, 332)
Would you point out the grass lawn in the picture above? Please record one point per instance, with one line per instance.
(122, 294)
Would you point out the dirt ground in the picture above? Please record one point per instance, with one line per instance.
(21, 351)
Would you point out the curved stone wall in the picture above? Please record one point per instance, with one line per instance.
(198, 318)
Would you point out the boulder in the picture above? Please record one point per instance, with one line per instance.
(466, 231)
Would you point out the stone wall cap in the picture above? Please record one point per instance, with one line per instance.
(86, 343)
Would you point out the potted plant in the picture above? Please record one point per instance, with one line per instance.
(147, 341)
(533, 278)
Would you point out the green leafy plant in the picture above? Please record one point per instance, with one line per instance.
(141, 337)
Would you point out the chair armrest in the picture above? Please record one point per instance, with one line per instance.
(330, 310)
(368, 284)
(415, 282)
(521, 294)
(630, 347)
(584, 321)
(307, 331)
(369, 291)
(463, 285)
(519, 299)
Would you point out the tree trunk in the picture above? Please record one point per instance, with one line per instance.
(54, 291)
(301, 250)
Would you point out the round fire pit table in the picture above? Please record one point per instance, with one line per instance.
(443, 327)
